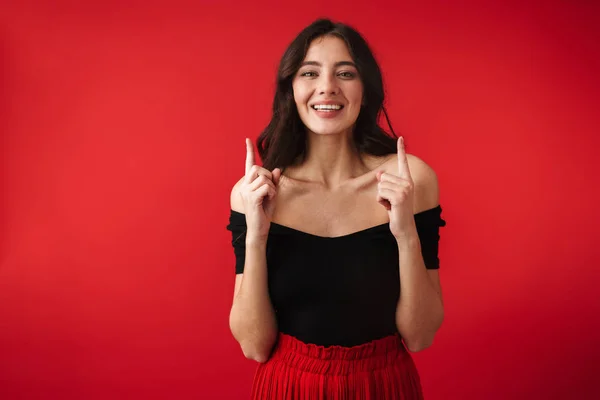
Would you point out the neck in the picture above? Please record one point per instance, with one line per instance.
(330, 160)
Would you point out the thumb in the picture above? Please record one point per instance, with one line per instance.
(276, 176)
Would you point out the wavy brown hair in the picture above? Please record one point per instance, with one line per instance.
(283, 141)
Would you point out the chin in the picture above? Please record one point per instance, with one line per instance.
(328, 130)
(325, 132)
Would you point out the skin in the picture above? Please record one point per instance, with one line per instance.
(334, 192)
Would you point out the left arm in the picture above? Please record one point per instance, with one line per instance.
(420, 309)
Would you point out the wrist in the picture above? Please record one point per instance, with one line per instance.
(408, 241)
(256, 240)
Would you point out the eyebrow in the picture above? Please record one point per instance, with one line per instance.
(337, 64)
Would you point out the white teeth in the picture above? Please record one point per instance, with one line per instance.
(327, 107)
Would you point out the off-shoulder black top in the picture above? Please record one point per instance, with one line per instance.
(336, 290)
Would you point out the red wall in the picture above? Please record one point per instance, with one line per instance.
(122, 134)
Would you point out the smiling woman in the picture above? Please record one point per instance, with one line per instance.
(306, 66)
(335, 236)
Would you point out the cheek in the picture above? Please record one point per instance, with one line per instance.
(357, 93)
(357, 99)
(300, 96)
(354, 96)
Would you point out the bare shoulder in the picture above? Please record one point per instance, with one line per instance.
(235, 199)
(425, 180)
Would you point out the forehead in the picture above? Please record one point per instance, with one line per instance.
(328, 49)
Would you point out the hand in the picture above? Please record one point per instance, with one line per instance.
(258, 191)
(395, 193)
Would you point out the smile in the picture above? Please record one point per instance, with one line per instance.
(327, 107)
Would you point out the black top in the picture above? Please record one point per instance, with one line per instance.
(336, 290)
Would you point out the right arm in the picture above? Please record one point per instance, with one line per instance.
(252, 318)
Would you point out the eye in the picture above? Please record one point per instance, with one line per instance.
(308, 73)
(347, 74)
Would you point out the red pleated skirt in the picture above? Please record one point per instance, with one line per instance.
(379, 370)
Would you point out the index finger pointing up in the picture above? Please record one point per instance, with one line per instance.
(249, 155)
(403, 169)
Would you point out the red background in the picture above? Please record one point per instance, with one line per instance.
(122, 134)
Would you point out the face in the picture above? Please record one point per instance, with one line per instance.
(327, 89)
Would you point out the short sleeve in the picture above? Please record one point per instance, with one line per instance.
(237, 227)
(428, 225)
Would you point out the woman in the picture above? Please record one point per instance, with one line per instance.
(335, 236)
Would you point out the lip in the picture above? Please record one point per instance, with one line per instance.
(327, 103)
(327, 114)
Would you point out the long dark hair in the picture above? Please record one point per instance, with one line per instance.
(283, 142)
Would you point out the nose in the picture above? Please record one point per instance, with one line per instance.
(328, 84)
